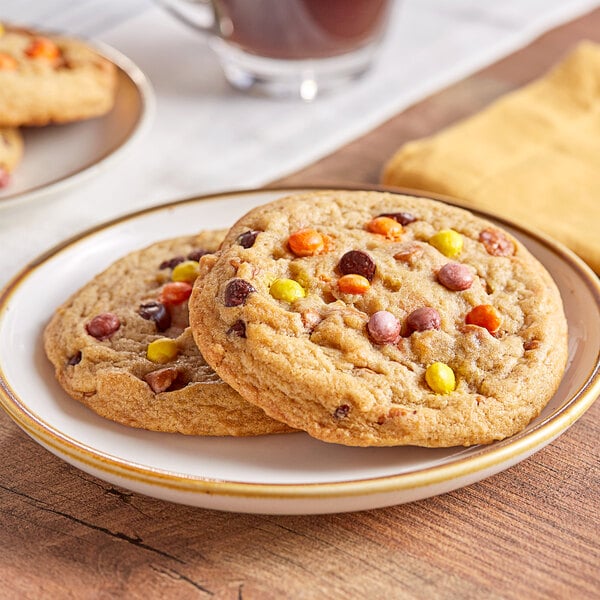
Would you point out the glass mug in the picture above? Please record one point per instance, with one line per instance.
(289, 48)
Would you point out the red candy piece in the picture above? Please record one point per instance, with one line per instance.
(175, 292)
(103, 326)
(484, 315)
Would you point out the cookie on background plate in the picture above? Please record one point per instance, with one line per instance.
(376, 319)
(51, 79)
(11, 151)
(122, 346)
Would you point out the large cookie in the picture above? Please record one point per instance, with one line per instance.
(11, 150)
(46, 78)
(430, 327)
(100, 339)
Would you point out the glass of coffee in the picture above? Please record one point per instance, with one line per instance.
(289, 48)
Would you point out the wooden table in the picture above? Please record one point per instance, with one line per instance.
(530, 532)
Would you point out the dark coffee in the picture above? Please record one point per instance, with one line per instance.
(301, 29)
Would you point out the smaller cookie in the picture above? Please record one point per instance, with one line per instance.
(11, 151)
(122, 346)
(51, 79)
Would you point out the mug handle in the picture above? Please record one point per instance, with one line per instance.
(199, 14)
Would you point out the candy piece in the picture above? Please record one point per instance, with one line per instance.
(4, 177)
(353, 284)
(383, 327)
(484, 315)
(171, 263)
(385, 226)
(404, 218)
(236, 292)
(341, 412)
(238, 329)
(157, 312)
(197, 254)
(7, 62)
(42, 47)
(287, 290)
(440, 378)
(2, 30)
(455, 276)
(103, 326)
(162, 350)
(496, 243)
(359, 263)
(161, 380)
(448, 242)
(175, 292)
(306, 242)
(422, 319)
(186, 271)
(247, 239)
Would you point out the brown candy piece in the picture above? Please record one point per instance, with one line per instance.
(197, 254)
(157, 312)
(404, 218)
(422, 319)
(236, 292)
(103, 326)
(161, 380)
(496, 243)
(357, 262)
(171, 263)
(455, 276)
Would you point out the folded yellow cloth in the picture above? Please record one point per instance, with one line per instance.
(533, 156)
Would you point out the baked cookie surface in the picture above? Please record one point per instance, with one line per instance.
(51, 79)
(122, 346)
(11, 151)
(425, 326)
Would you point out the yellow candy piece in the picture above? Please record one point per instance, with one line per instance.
(287, 290)
(440, 378)
(448, 242)
(162, 350)
(186, 271)
(2, 30)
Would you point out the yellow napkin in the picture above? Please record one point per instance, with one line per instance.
(533, 156)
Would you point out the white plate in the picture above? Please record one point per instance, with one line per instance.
(272, 474)
(56, 156)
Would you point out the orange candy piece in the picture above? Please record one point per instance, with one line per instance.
(306, 242)
(7, 62)
(385, 226)
(353, 284)
(42, 47)
(484, 315)
(175, 292)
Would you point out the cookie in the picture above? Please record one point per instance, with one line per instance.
(11, 151)
(122, 346)
(376, 319)
(51, 79)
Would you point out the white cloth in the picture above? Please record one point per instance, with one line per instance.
(208, 137)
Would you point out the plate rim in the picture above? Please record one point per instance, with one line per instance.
(488, 457)
(147, 97)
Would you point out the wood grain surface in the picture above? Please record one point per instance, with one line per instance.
(531, 532)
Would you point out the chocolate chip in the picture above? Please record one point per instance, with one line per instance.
(404, 218)
(341, 412)
(236, 292)
(359, 263)
(161, 380)
(496, 243)
(422, 319)
(75, 359)
(238, 329)
(157, 312)
(247, 239)
(171, 263)
(103, 326)
(197, 254)
(455, 276)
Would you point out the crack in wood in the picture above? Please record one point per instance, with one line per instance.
(136, 541)
(177, 575)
